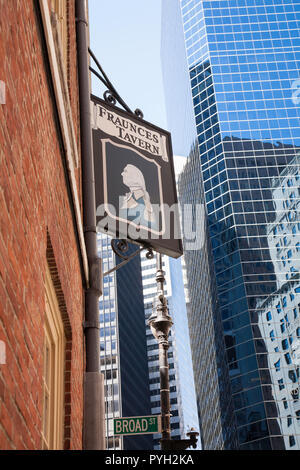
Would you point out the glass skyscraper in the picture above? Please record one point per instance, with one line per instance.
(129, 351)
(123, 349)
(211, 374)
(243, 65)
(109, 343)
(182, 388)
(150, 290)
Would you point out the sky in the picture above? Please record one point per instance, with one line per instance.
(125, 37)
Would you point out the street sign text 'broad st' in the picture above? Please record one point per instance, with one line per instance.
(137, 425)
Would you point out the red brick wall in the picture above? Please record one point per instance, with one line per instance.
(34, 202)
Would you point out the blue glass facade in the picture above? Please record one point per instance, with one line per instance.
(135, 390)
(213, 389)
(243, 60)
(184, 367)
(211, 373)
(109, 344)
(243, 66)
(123, 348)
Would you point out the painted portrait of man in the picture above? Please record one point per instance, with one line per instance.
(136, 202)
(137, 186)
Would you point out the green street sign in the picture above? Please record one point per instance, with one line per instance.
(137, 425)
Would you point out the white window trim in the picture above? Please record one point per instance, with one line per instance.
(66, 122)
(54, 335)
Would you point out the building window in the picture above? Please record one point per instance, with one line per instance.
(292, 376)
(292, 441)
(277, 366)
(278, 307)
(113, 442)
(53, 374)
(288, 358)
(175, 425)
(285, 344)
(110, 374)
(281, 384)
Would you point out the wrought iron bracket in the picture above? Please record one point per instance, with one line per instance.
(120, 247)
(181, 444)
(111, 95)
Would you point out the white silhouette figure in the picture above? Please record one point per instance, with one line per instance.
(134, 179)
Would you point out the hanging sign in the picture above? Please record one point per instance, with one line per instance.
(135, 185)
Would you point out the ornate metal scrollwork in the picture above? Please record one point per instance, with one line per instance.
(109, 97)
(120, 247)
(150, 254)
(139, 113)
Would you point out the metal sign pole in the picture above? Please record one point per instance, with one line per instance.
(160, 323)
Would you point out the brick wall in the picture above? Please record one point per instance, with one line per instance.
(36, 223)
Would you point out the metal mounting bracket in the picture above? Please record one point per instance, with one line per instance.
(111, 95)
(121, 248)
